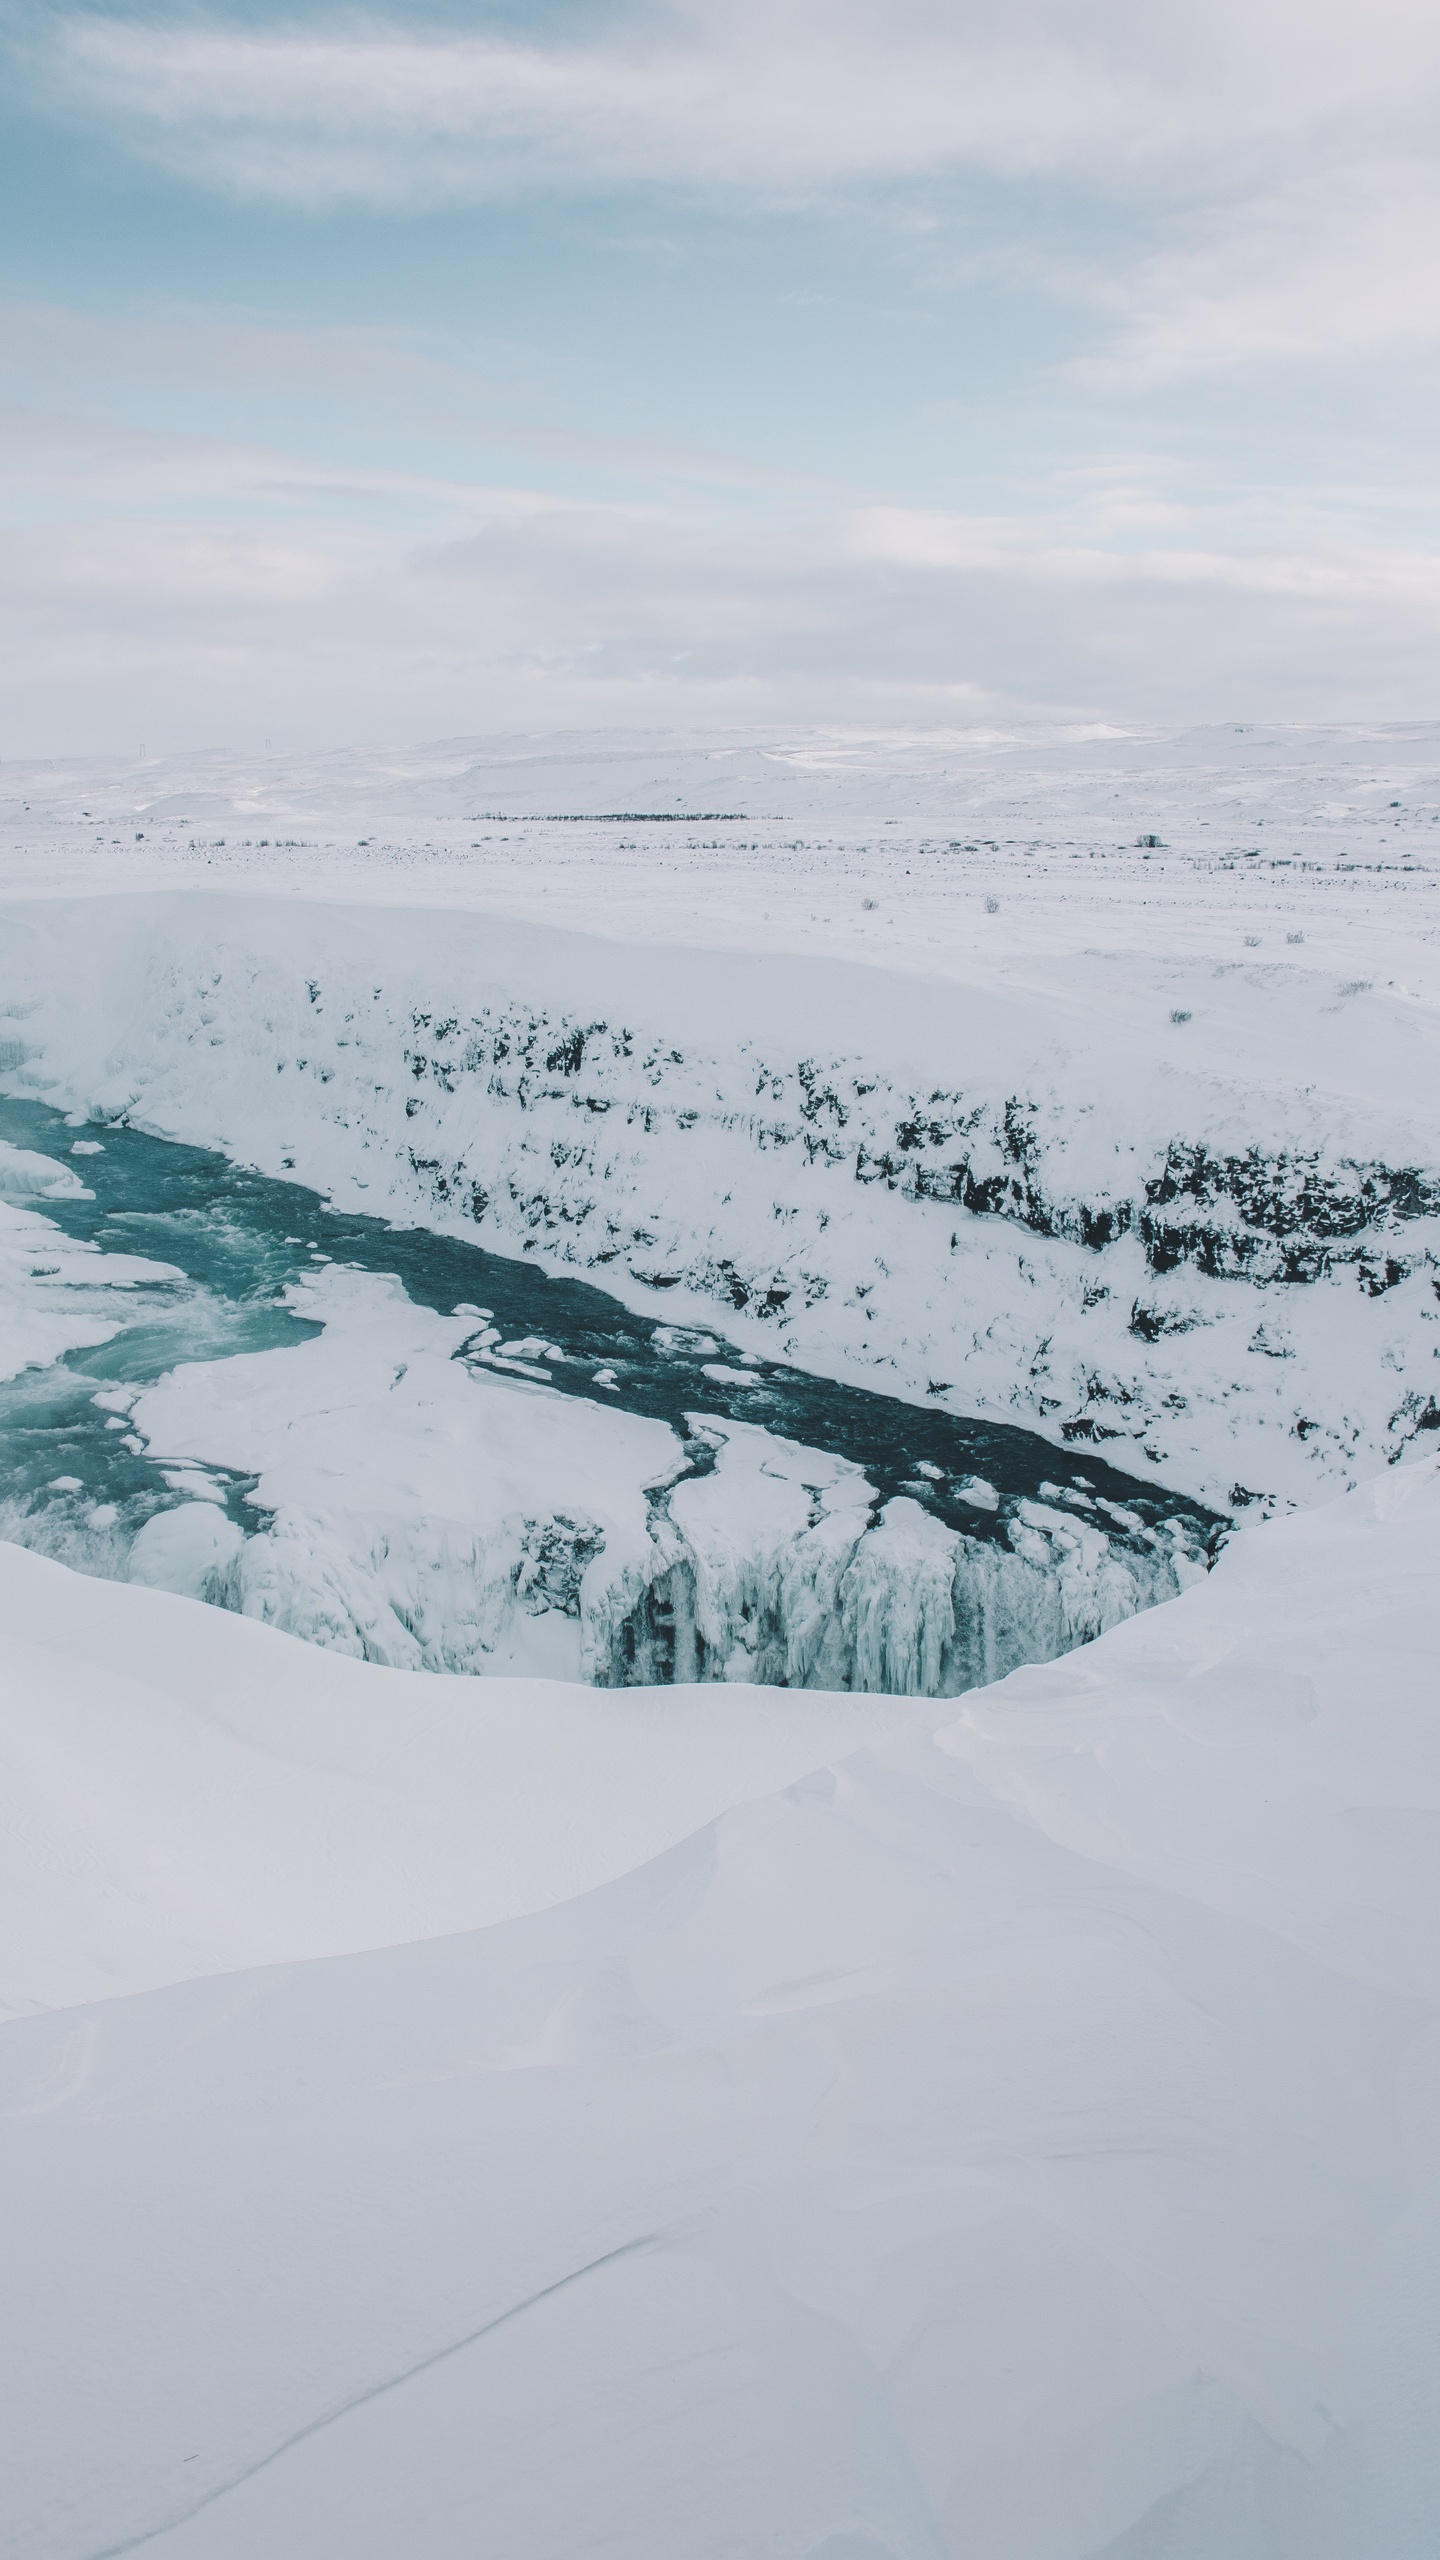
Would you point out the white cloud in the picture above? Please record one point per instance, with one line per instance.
(543, 614)
(167, 582)
(353, 383)
(220, 580)
(1329, 265)
(1283, 154)
(744, 95)
(750, 93)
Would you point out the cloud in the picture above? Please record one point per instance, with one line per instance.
(543, 614)
(158, 580)
(1264, 178)
(784, 96)
(1200, 189)
(351, 385)
(1327, 266)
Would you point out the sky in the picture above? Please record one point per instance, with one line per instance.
(464, 369)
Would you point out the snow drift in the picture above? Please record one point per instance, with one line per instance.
(1017, 2135)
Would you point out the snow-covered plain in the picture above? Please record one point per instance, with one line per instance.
(924, 1069)
(1015, 2133)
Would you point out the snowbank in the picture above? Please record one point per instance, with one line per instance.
(1018, 2136)
(187, 1792)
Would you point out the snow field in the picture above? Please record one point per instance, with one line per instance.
(1160, 1006)
(1017, 2133)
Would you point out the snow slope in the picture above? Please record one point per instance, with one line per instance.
(509, 2119)
(1018, 2135)
(187, 1792)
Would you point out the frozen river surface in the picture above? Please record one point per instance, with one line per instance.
(418, 1451)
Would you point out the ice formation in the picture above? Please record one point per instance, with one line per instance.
(779, 1567)
(57, 1294)
(408, 1485)
(426, 1511)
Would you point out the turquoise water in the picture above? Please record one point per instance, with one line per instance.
(239, 1240)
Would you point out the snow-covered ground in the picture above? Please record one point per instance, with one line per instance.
(188, 1793)
(924, 1068)
(1011, 2130)
(515, 2118)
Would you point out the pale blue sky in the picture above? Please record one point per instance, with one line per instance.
(391, 375)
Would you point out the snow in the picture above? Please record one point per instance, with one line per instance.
(183, 1550)
(1145, 1155)
(447, 2115)
(434, 1511)
(189, 1792)
(1010, 2129)
(27, 1176)
(408, 1491)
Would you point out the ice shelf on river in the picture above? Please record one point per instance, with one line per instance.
(429, 1512)
(405, 1483)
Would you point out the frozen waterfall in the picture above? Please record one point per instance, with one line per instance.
(764, 1562)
